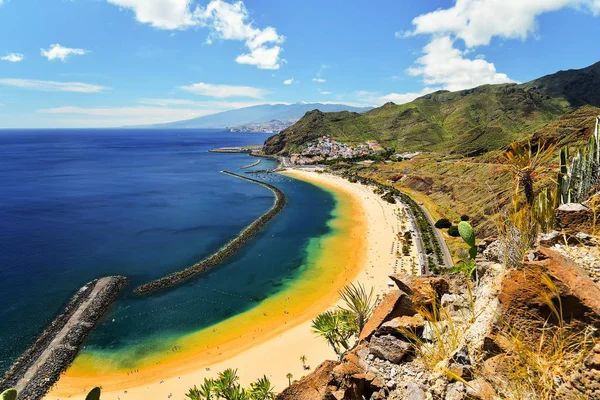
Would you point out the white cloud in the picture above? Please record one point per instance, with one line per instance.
(222, 91)
(226, 21)
(12, 57)
(57, 51)
(52, 86)
(319, 80)
(288, 81)
(161, 14)
(323, 92)
(443, 64)
(477, 21)
(230, 21)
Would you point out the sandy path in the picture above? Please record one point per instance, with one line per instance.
(279, 355)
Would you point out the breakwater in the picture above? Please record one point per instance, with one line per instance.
(252, 165)
(34, 373)
(224, 252)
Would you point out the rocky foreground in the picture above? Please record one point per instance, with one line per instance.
(447, 337)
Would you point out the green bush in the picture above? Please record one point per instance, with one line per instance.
(464, 217)
(453, 231)
(443, 223)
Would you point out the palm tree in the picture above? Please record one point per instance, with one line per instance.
(289, 376)
(359, 302)
(262, 389)
(526, 164)
(337, 327)
(303, 361)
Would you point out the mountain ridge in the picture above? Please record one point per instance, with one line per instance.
(256, 114)
(470, 122)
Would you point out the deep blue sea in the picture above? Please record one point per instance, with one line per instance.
(76, 205)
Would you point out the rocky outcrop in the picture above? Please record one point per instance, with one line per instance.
(575, 217)
(522, 297)
(477, 319)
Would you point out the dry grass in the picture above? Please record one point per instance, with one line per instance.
(539, 367)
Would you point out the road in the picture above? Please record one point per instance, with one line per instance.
(422, 258)
(440, 238)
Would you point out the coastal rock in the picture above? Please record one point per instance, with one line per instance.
(394, 304)
(389, 348)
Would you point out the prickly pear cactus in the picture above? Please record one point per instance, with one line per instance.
(94, 394)
(10, 394)
(466, 233)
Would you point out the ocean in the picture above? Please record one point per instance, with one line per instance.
(76, 205)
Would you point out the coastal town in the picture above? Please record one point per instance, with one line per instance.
(325, 148)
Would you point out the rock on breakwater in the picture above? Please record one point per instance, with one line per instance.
(34, 373)
(224, 252)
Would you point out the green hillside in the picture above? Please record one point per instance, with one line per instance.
(468, 122)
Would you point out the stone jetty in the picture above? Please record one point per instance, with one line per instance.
(224, 252)
(34, 373)
(255, 163)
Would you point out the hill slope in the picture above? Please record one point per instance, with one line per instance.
(469, 122)
(257, 114)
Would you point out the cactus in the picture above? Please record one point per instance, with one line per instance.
(468, 235)
(582, 173)
(10, 394)
(94, 394)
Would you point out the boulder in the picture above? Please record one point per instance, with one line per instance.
(456, 391)
(400, 325)
(480, 389)
(314, 386)
(575, 217)
(389, 348)
(394, 304)
(423, 290)
(520, 295)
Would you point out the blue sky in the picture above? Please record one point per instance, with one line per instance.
(99, 63)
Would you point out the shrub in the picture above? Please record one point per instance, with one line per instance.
(453, 231)
(464, 217)
(443, 223)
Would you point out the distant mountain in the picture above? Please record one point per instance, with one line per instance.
(258, 114)
(469, 122)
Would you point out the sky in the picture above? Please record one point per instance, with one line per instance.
(107, 63)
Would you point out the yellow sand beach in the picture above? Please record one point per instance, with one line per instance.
(271, 338)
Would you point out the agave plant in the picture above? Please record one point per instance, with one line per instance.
(262, 389)
(359, 302)
(526, 164)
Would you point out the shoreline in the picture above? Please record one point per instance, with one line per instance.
(270, 338)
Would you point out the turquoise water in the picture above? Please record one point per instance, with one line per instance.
(80, 204)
